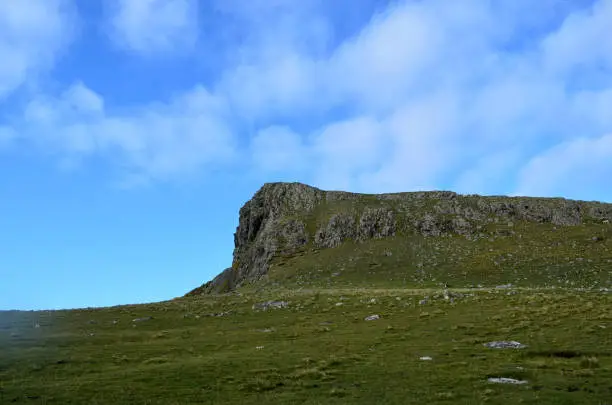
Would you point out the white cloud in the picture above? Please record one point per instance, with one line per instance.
(583, 40)
(32, 33)
(574, 168)
(275, 149)
(154, 26)
(450, 89)
(426, 95)
(157, 141)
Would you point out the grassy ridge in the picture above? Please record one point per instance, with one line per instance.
(536, 255)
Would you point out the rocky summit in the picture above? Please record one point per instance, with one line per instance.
(295, 234)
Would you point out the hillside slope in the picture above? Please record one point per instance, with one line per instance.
(292, 234)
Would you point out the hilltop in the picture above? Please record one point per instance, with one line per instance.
(295, 235)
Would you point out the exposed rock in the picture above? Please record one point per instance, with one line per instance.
(376, 223)
(425, 358)
(264, 306)
(372, 317)
(339, 228)
(506, 380)
(219, 314)
(146, 318)
(505, 345)
(294, 236)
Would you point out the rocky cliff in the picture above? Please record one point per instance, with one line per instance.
(283, 219)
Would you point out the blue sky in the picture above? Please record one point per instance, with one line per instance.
(131, 132)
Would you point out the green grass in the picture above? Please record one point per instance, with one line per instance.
(315, 351)
(537, 254)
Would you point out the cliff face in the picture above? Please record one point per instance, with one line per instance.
(284, 218)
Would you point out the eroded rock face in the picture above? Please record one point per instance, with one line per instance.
(376, 223)
(275, 222)
(339, 228)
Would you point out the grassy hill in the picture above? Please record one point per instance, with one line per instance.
(339, 298)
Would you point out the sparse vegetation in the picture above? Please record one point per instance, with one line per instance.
(315, 351)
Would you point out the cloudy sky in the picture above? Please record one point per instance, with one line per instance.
(131, 131)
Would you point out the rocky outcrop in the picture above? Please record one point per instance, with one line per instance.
(339, 228)
(284, 218)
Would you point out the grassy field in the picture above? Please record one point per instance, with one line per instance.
(317, 350)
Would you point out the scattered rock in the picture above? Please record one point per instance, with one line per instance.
(146, 318)
(115, 322)
(259, 347)
(504, 344)
(264, 306)
(92, 322)
(336, 274)
(448, 295)
(504, 286)
(266, 330)
(36, 325)
(372, 317)
(424, 301)
(218, 314)
(425, 358)
(505, 380)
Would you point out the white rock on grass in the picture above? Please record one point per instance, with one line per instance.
(372, 317)
(503, 344)
(426, 358)
(264, 306)
(505, 380)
